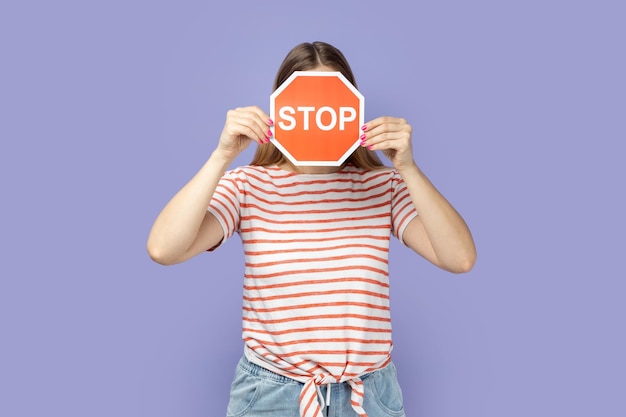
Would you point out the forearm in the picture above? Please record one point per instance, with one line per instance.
(447, 232)
(176, 227)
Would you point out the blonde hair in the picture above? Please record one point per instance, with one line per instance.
(304, 57)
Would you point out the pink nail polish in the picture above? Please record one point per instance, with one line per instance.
(362, 137)
(364, 128)
(270, 121)
(269, 133)
(370, 147)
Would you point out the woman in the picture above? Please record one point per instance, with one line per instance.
(316, 324)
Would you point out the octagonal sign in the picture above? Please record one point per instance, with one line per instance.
(317, 118)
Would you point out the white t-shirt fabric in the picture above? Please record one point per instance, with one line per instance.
(316, 281)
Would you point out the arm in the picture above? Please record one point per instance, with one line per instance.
(185, 228)
(438, 233)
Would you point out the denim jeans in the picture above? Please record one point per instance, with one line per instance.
(257, 392)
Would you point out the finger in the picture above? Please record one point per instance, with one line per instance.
(261, 118)
(388, 128)
(385, 128)
(237, 131)
(398, 138)
(383, 120)
(264, 117)
(238, 126)
(251, 124)
(386, 145)
(258, 116)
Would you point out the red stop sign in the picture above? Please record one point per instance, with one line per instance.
(317, 118)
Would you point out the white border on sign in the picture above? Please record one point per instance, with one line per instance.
(318, 74)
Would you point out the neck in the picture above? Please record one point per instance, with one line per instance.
(288, 166)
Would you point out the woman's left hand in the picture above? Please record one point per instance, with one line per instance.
(391, 135)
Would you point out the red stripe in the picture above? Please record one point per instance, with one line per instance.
(352, 257)
(315, 282)
(318, 249)
(278, 172)
(229, 196)
(334, 352)
(358, 393)
(399, 210)
(320, 340)
(228, 211)
(261, 219)
(401, 223)
(306, 409)
(233, 189)
(319, 201)
(316, 305)
(326, 365)
(313, 240)
(315, 329)
(340, 229)
(315, 271)
(315, 293)
(350, 180)
(347, 190)
(220, 214)
(235, 186)
(317, 317)
(251, 206)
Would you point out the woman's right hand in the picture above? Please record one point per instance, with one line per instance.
(185, 228)
(243, 126)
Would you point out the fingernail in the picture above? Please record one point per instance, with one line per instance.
(362, 137)
(269, 133)
(363, 128)
(270, 122)
(370, 147)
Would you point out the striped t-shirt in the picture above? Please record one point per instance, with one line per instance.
(316, 282)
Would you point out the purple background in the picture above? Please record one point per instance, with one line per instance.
(108, 108)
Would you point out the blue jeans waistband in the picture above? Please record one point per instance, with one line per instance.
(259, 371)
